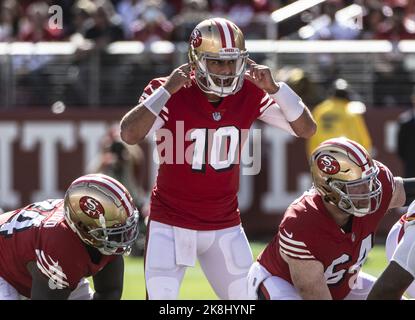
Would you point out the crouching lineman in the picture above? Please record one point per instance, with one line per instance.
(326, 234)
(398, 276)
(48, 248)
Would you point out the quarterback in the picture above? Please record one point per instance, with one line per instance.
(48, 248)
(326, 234)
(194, 207)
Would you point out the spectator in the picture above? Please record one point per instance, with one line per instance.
(395, 28)
(81, 17)
(338, 116)
(335, 30)
(36, 27)
(153, 25)
(129, 10)
(8, 20)
(106, 26)
(406, 129)
(242, 12)
(193, 12)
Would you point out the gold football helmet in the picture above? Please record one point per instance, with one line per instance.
(101, 211)
(218, 39)
(345, 175)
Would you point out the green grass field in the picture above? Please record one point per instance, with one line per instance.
(195, 285)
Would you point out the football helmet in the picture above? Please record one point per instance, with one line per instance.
(345, 175)
(100, 210)
(218, 39)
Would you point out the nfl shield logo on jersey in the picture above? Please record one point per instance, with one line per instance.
(216, 116)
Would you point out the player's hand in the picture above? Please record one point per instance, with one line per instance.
(178, 78)
(261, 76)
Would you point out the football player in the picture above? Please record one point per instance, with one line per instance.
(326, 234)
(194, 207)
(398, 276)
(48, 248)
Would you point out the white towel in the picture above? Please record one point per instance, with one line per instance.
(185, 246)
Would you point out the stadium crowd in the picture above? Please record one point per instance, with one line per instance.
(150, 20)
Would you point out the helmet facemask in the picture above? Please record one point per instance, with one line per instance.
(360, 197)
(116, 240)
(208, 81)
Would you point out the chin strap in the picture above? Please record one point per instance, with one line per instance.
(409, 186)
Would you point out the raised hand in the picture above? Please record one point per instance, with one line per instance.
(178, 78)
(261, 76)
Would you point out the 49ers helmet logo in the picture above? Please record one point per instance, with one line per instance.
(91, 207)
(328, 164)
(196, 38)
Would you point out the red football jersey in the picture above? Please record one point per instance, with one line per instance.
(308, 232)
(39, 233)
(198, 177)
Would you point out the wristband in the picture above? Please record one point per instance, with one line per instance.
(290, 103)
(156, 101)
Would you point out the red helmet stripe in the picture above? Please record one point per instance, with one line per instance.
(231, 34)
(115, 189)
(222, 34)
(353, 149)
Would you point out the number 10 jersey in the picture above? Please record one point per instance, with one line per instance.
(199, 147)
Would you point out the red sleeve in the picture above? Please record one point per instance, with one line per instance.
(295, 239)
(149, 89)
(61, 257)
(265, 102)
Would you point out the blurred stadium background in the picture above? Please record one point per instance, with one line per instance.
(71, 68)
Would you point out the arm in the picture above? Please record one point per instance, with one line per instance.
(308, 278)
(43, 288)
(291, 105)
(137, 122)
(391, 284)
(404, 192)
(108, 283)
(304, 126)
(401, 270)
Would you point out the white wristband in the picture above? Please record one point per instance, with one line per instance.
(156, 101)
(290, 103)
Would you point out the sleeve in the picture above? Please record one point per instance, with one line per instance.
(60, 258)
(294, 241)
(404, 254)
(386, 179)
(163, 117)
(270, 113)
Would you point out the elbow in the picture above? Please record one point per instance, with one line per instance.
(130, 136)
(308, 131)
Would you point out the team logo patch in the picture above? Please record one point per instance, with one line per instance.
(328, 164)
(216, 116)
(196, 38)
(91, 207)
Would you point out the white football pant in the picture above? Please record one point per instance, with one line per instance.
(391, 245)
(224, 255)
